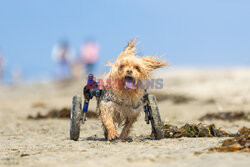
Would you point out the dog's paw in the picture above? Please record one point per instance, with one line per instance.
(126, 139)
(112, 136)
(123, 137)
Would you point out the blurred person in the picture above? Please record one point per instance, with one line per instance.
(76, 68)
(89, 54)
(63, 56)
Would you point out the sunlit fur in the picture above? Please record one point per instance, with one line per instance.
(112, 113)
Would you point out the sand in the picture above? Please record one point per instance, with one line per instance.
(25, 142)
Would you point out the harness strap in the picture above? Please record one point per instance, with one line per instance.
(107, 96)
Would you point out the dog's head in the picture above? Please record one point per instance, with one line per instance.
(129, 67)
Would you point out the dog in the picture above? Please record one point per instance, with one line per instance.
(122, 104)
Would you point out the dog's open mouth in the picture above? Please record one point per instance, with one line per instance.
(129, 82)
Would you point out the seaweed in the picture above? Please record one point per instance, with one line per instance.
(194, 130)
(229, 116)
(175, 98)
(241, 142)
(60, 113)
(210, 101)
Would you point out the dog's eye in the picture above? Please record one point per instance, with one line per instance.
(137, 67)
(121, 66)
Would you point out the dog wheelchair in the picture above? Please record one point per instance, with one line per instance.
(78, 113)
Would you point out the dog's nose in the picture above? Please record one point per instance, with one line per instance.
(129, 71)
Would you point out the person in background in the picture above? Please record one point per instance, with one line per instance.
(63, 56)
(89, 54)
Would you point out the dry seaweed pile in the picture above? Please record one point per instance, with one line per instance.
(175, 98)
(230, 116)
(193, 130)
(241, 142)
(62, 113)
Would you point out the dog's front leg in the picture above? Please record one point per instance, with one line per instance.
(108, 122)
(126, 128)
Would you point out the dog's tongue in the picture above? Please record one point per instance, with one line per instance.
(129, 83)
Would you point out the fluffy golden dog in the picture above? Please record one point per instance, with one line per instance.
(121, 105)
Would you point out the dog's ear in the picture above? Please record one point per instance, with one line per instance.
(153, 63)
(129, 50)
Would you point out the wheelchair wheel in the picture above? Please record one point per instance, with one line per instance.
(157, 126)
(75, 118)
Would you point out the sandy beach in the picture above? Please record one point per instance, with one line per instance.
(25, 142)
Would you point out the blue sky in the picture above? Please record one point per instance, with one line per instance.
(210, 33)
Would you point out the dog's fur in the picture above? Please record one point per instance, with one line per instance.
(127, 64)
